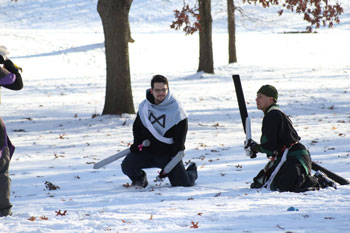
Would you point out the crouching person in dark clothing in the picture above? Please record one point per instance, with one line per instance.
(289, 168)
(161, 120)
(6, 151)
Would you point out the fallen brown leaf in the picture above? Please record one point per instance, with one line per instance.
(194, 225)
(44, 217)
(59, 213)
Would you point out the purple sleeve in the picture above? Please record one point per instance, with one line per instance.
(8, 79)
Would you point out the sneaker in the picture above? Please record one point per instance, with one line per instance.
(141, 181)
(324, 181)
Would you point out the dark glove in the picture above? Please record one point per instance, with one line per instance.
(134, 148)
(139, 146)
(10, 66)
(161, 175)
(253, 145)
(3, 72)
(2, 60)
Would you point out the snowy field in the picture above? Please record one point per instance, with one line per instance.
(52, 120)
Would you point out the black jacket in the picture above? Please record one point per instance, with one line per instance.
(177, 132)
(278, 133)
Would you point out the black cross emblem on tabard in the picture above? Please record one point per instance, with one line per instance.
(160, 120)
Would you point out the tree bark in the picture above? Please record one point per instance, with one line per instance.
(206, 62)
(115, 20)
(232, 55)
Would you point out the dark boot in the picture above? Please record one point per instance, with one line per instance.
(5, 212)
(259, 180)
(192, 171)
(324, 181)
(140, 181)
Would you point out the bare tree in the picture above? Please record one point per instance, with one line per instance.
(115, 20)
(206, 60)
(203, 24)
(232, 53)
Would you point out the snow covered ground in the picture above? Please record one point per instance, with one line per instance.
(52, 120)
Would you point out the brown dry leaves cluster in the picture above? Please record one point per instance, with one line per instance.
(32, 218)
(58, 213)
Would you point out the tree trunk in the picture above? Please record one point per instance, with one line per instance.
(206, 63)
(115, 20)
(232, 56)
